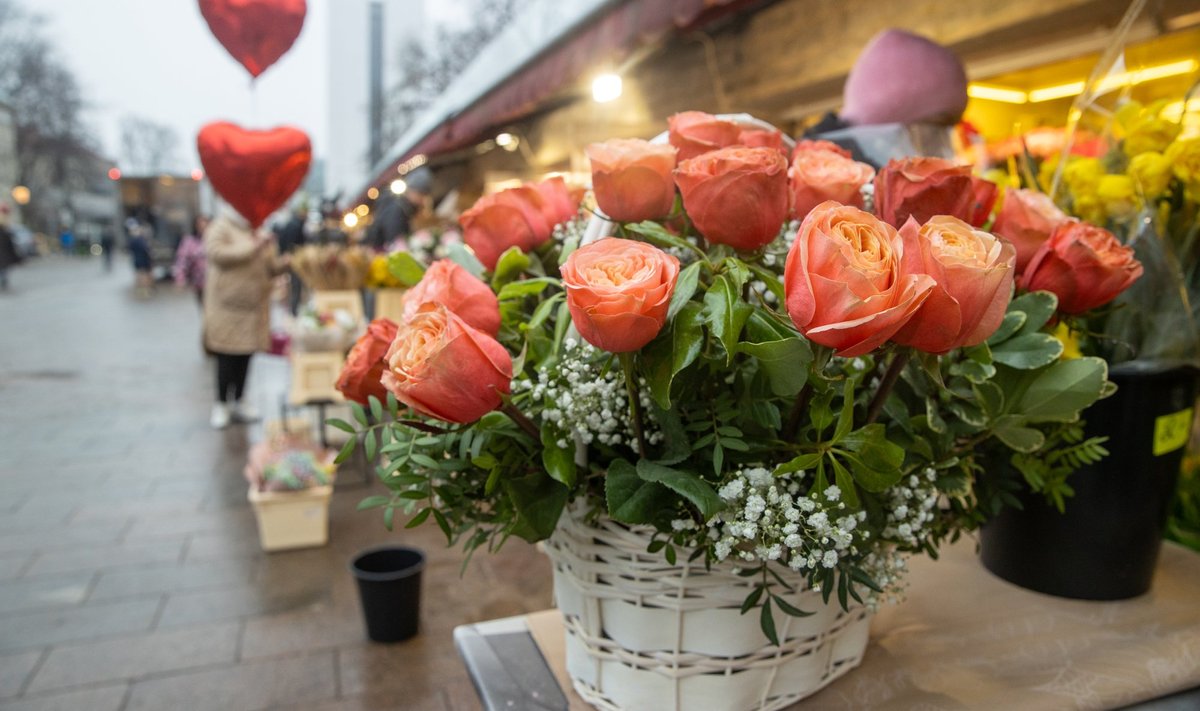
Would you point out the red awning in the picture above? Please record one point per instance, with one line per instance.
(632, 24)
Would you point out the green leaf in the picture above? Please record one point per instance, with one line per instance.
(767, 622)
(675, 349)
(340, 425)
(876, 460)
(360, 415)
(376, 408)
(559, 463)
(725, 313)
(789, 609)
(784, 362)
(973, 371)
(393, 405)
(630, 499)
(688, 485)
(658, 236)
(1009, 430)
(844, 482)
(465, 258)
(1013, 321)
(752, 599)
(405, 268)
(542, 312)
(372, 502)
(685, 287)
(510, 266)
(990, 398)
(846, 418)
(1061, 391)
(676, 447)
(370, 444)
(1028, 351)
(347, 450)
(800, 463)
(419, 519)
(1038, 307)
(538, 501)
(525, 287)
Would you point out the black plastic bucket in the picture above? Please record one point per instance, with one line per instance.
(389, 585)
(1105, 546)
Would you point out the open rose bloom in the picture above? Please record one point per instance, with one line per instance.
(773, 377)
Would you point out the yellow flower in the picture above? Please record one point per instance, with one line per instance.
(1151, 173)
(1046, 173)
(1082, 176)
(1144, 130)
(1090, 208)
(1116, 192)
(1069, 340)
(1184, 157)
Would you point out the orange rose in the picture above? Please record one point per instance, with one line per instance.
(364, 365)
(618, 292)
(442, 367)
(818, 175)
(458, 290)
(1084, 265)
(632, 178)
(924, 187)
(516, 217)
(560, 204)
(695, 132)
(819, 145)
(1026, 219)
(762, 138)
(736, 196)
(974, 274)
(845, 283)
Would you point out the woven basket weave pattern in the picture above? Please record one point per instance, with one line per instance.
(643, 635)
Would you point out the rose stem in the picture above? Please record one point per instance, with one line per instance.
(522, 421)
(798, 408)
(885, 387)
(635, 408)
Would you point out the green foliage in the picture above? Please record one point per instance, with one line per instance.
(407, 270)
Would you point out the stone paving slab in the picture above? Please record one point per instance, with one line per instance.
(130, 572)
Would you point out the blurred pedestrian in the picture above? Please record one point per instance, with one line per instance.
(241, 264)
(291, 237)
(107, 244)
(8, 247)
(139, 250)
(189, 266)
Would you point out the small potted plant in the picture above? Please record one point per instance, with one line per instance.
(291, 480)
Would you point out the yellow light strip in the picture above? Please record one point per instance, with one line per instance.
(996, 93)
(1174, 110)
(1137, 76)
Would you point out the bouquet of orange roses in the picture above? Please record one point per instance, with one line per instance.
(767, 353)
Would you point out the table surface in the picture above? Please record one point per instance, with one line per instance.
(963, 639)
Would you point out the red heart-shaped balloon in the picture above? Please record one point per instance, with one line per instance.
(256, 32)
(255, 171)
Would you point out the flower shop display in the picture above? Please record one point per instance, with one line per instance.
(1126, 287)
(291, 480)
(318, 331)
(731, 416)
(331, 267)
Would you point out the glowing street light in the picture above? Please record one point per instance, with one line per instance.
(606, 87)
(399, 186)
(350, 220)
(372, 193)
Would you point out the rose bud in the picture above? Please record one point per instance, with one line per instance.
(762, 138)
(1026, 219)
(618, 292)
(845, 284)
(360, 376)
(442, 367)
(458, 290)
(510, 218)
(632, 178)
(1084, 265)
(974, 274)
(817, 176)
(561, 205)
(695, 133)
(924, 187)
(736, 196)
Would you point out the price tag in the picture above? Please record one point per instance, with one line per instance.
(1171, 431)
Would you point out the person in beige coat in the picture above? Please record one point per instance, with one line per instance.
(241, 266)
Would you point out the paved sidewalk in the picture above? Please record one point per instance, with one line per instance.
(130, 572)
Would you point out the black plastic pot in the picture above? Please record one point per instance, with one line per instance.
(389, 585)
(1105, 547)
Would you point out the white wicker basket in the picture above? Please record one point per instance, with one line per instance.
(643, 635)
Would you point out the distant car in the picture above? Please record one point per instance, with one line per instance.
(23, 241)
